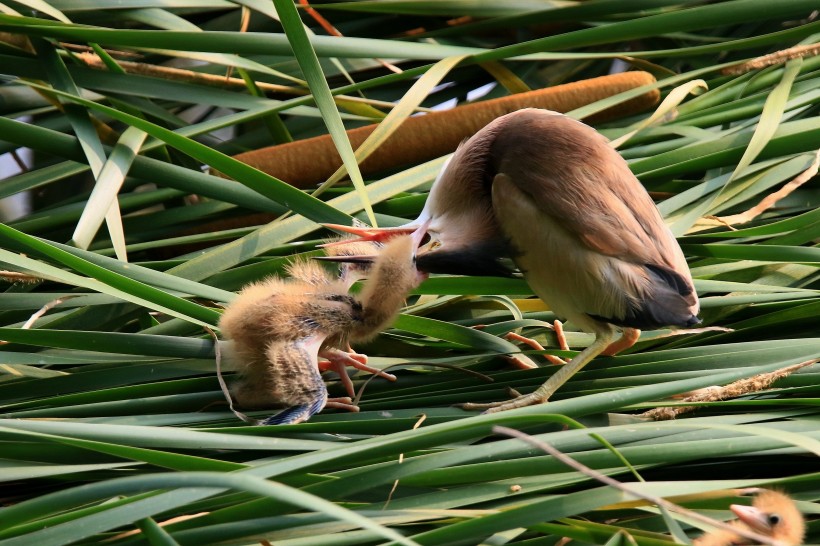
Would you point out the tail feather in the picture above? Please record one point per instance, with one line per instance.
(297, 414)
(670, 302)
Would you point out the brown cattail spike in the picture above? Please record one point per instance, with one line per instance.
(308, 162)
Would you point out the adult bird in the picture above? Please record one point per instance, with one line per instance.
(550, 193)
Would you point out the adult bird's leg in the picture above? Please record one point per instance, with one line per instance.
(552, 359)
(628, 338)
(602, 339)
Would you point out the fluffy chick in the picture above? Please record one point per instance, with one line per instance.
(348, 246)
(278, 329)
(291, 378)
(391, 277)
(772, 513)
(281, 327)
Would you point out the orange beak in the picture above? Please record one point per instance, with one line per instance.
(378, 235)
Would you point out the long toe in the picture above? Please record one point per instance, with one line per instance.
(472, 406)
(530, 342)
(340, 358)
(344, 403)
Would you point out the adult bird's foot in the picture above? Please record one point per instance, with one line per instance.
(531, 399)
(552, 359)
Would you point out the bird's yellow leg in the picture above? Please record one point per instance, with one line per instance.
(560, 377)
(558, 328)
(355, 360)
(552, 359)
(342, 403)
(339, 367)
(520, 361)
(629, 337)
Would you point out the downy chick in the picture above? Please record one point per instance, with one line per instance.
(391, 277)
(290, 378)
(278, 328)
(350, 272)
(771, 514)
(281, 327)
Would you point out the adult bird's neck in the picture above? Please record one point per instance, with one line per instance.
(487, 258)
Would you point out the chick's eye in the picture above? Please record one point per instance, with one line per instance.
(774, 519)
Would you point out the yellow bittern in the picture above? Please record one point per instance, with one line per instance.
(550, 193)
(281, 327)
(772, 514)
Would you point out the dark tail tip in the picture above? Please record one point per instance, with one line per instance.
(296, 414)
(693, 320)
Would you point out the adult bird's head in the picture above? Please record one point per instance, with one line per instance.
(375, 248)
(462, 234)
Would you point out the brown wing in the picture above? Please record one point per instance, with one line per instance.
(581, 186)
(573, 175)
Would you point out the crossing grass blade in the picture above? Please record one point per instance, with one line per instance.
(113, 426)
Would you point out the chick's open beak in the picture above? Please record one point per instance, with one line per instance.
(361, 259)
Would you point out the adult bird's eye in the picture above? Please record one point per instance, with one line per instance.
(774, 519)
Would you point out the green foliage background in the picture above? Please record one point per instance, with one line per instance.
(113, 419)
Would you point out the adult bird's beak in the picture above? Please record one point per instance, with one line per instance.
(379, 235)
(461, 253)
(376, 235)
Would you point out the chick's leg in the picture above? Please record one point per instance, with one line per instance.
(523, 362)
(343, 402)
(341, 358)
(340, 368)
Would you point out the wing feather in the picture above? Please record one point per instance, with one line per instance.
(574, 176)
(580, 185)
